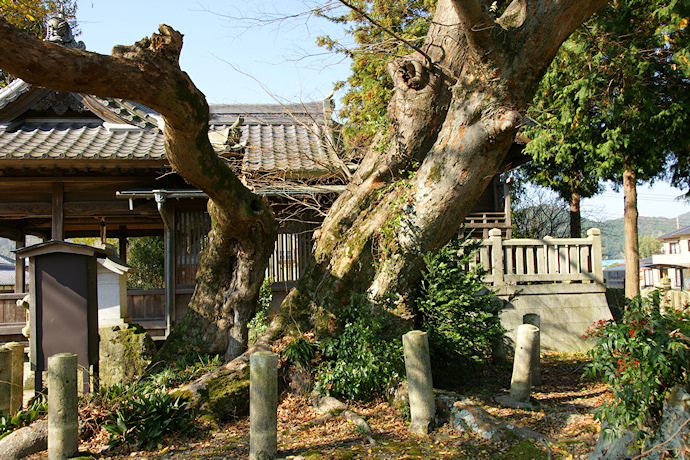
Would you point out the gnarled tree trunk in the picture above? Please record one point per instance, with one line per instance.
(243, 227)
(457, 107)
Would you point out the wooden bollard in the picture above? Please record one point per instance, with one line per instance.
(263, 405)
(419, 382)
(63, 424)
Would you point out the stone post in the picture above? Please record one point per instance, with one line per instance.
(419, 381)
(535, 320)
(521, 383)
(5, 379)
(263, 405)
(17, 378)
(597, 268)
(63, 426)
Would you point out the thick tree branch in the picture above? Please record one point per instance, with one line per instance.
(476, 23)
(547, 24)
(471, 12)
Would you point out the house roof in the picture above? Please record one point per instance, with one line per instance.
(41, 124)
(675, 234)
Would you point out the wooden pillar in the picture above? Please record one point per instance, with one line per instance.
(122, 243)
(506, 209)
(170, 266)
(58, 212)
(19, 271)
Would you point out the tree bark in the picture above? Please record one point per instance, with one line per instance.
(452, 121)
(243, 227)
(632, 257)
(575, 216)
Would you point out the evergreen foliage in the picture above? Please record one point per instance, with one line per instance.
(361, 362)
(616, 97)
(458, 312)
(147, 254)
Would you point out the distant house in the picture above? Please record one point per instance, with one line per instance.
(6, 274)
(673, 262)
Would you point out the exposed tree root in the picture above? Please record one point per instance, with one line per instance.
(25, 441)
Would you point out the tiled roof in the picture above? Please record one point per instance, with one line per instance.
(274, 138)
(676, 233)
(80, 140)
(11, 92)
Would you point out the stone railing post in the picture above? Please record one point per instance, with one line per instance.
(535, 320)
(17, 378)
(496, 256)
(263, 405)
(5, 379)
(521, 383)
(419, 382)
(63, 425)
(597, 268)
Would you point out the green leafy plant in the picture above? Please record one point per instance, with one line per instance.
(23, 417)
(146, 415)
(141, 412)
(641, 357)
(460, 315)
(259, 323)
(300, 352)
(360, 362)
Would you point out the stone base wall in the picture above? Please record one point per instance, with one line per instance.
(564, 318)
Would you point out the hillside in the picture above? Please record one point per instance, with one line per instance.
(612, 231)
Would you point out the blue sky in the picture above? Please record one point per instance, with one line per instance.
(241, 61)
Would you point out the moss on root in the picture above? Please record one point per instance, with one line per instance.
(226, 395)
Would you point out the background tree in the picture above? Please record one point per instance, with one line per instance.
(624, 105)
(537, 212)
(561, 151)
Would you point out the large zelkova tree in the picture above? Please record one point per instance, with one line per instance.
(458, 103)
(618, 107)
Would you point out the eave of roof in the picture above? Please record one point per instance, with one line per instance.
(684, 231)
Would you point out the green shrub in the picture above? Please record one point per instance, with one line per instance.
(459, 314)
(259, 323)
(641, 357)
(24, 417)
(361, 362)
